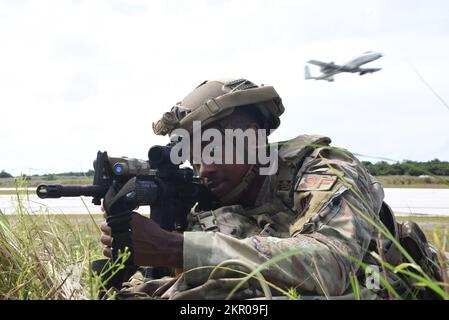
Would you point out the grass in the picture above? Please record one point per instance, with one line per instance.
(34, 181)
(44, 256)
(414, 182)
(23, 187)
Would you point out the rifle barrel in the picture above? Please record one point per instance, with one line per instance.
(57, 191)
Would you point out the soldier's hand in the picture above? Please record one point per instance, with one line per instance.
(152, 246)
(106, 239)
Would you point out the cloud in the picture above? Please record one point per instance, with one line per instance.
(127, 7)
(79, 76)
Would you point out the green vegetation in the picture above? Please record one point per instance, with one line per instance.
(34, 181)
(4, 174)
(411, 174)
(412, 168)
(47, 257)
(68, 178)
(414, 182)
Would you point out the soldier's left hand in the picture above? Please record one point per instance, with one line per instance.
(152, 246)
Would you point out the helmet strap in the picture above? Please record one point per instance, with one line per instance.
(247, 179)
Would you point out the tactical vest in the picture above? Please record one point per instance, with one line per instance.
(277, 210)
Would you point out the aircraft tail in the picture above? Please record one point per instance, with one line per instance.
(307, 75)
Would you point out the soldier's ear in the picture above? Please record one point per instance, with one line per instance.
(254, 126)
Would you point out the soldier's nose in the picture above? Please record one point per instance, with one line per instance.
(207, 171)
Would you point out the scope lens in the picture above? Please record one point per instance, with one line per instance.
(118, 168)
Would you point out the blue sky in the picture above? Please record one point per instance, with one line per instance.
(81, 76)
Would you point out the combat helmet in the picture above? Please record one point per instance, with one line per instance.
(213, 100)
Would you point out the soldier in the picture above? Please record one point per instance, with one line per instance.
(318, 212)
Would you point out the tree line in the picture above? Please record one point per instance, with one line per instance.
(408, 167)
(381, 168)
(4, 174)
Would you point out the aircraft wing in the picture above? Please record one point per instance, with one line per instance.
(367, 70)
(319, 63)
(328, 76)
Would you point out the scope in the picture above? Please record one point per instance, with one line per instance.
(158, 155)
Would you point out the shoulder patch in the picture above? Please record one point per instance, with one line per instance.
(316, 182)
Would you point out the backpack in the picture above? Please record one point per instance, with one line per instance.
(412, 238)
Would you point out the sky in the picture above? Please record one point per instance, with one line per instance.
(81, 76)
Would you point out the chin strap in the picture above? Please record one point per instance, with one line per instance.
(233, 195)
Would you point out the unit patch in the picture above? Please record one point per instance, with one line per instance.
(316, 182)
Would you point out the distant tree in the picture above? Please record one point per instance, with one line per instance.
(396, 169)
(75, 174)
(50, 177)
(4, 174)
(25, 177)
(370, 167)
(408, 167)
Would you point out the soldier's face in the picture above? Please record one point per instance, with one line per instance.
(222, 178)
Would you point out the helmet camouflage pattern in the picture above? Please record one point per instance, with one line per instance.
(213, 100)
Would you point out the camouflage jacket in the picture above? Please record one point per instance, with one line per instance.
(314, 212)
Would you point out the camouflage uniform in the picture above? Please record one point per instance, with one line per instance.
(316, 220)
(315, 207)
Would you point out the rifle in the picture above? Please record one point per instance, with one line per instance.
(169, 190)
